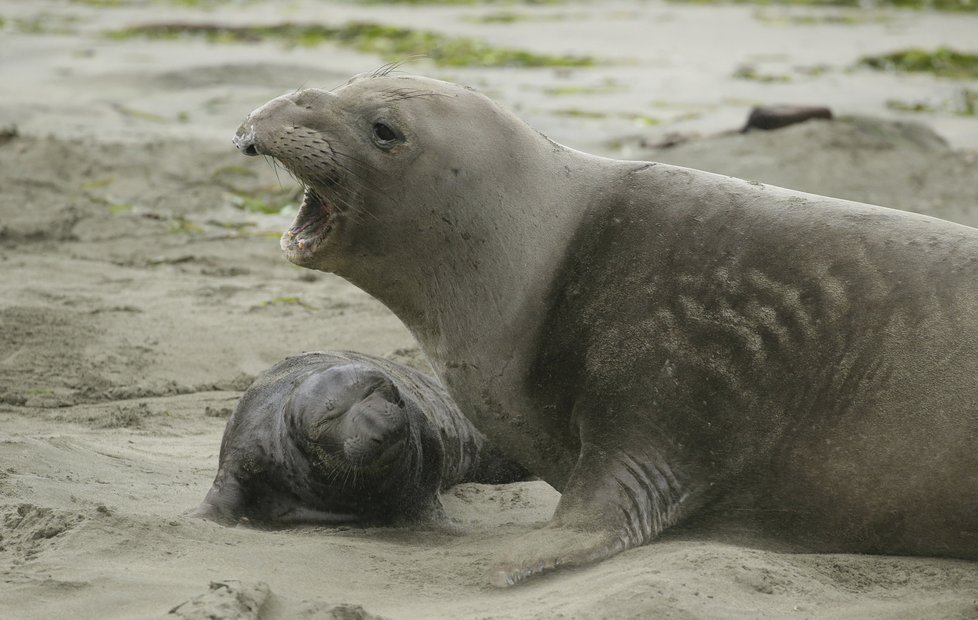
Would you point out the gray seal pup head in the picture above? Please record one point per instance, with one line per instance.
(342, 437)
(350, 418)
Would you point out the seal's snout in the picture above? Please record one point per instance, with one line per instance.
(245, 140)
(302, 108)
(375, 430)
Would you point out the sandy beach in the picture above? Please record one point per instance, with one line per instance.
(142, 289)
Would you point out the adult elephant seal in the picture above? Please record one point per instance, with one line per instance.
(649, 338)
(337, 437)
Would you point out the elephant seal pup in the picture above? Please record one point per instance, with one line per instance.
(648, 338)
(345, 437)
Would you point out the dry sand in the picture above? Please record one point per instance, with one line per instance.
(136, 303)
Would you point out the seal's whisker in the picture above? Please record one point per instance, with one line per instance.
(384, 69)
(353, 190)
(391, 67)
(356, 182)
(353, 173)
(354, 213)
(360, 181)
(353, 183)
(400, 94)
(273, 164)
(359, 161)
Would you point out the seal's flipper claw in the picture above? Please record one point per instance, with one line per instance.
(211, 512)
(615, 499)
(223, 502)
(550, 548)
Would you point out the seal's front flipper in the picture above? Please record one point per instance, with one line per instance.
(552, 547)
(614, 500)
(223, 503)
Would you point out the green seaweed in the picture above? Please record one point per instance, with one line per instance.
(909, 106)
(45, 23)
(267, 234)
(835, 18)
(560, 91)
(390, 42)
(501, 17)
(460, 2)
(511, 17)
(748, 72)
(687, 116)
(97, 183)
(100, 3)
(813, 70)
(968, 6)
(267, 199)
(141, 114)
(270, 200)
(233, 170)
(644, 119)
(111, 206)
(942, 62)
(236, 226)
(641, 119)
(579, 113)
(963, 103)
(182, 226)
(194, 4)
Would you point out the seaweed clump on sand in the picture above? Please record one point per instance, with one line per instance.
(942, 62)
(962, 103)
(391, 42)
(964, 6)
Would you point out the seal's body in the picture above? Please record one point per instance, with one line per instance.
(649, 338)
(336, 437)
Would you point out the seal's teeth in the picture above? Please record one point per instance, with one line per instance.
(291, 234)
(302, 244)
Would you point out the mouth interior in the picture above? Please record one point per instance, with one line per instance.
(315, 220)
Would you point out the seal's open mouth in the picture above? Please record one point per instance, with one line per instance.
(312, 224)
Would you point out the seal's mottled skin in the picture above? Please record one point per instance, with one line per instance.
(336, 437)
(647, 338)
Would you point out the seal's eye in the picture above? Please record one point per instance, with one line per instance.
(384, 135)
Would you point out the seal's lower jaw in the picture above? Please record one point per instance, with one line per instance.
(312, 226)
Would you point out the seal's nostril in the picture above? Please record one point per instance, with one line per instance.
(245, 141)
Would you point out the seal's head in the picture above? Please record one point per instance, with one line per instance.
(350, 417)
(383, 160)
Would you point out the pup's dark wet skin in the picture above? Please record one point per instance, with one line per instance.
(650, 339)
(336, 437)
